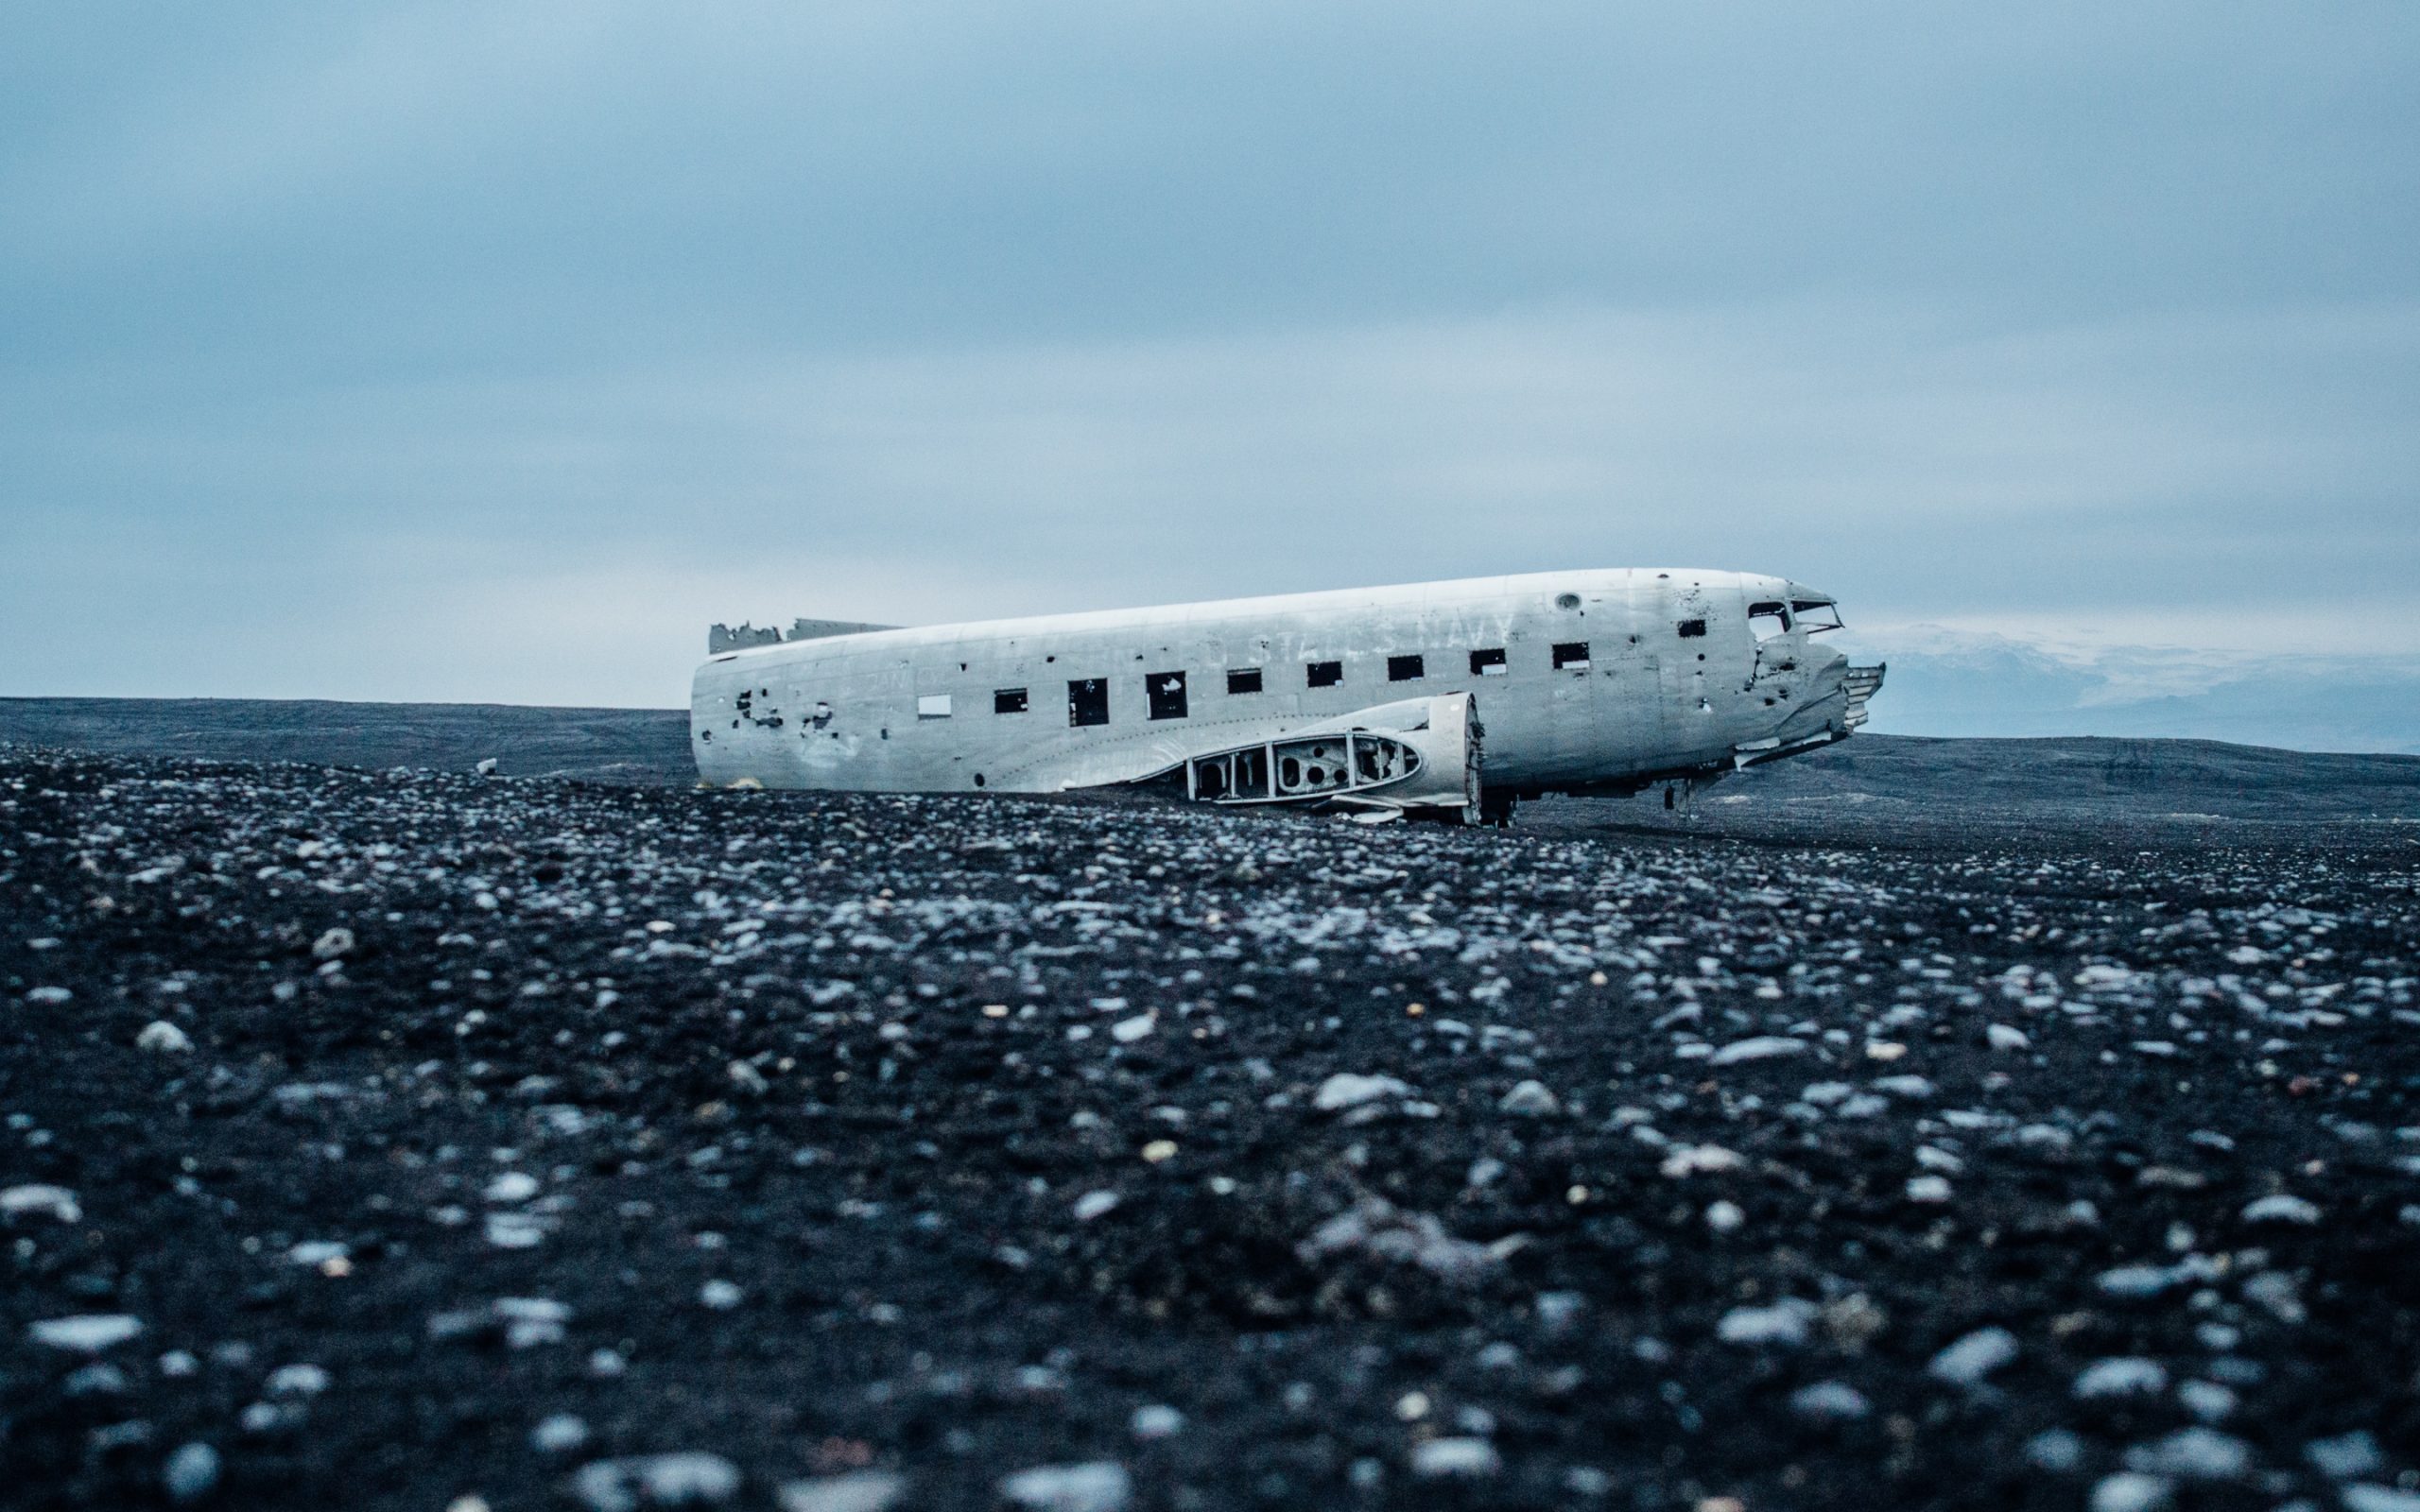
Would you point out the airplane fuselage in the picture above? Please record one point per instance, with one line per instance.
(1600, 679)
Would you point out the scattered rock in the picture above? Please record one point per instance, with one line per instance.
(162, 1038)
(1100, 1485)
(1350, 1089)
(687, 1478)
(1971, 1359)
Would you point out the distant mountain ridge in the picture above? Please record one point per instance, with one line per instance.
(1963, 683)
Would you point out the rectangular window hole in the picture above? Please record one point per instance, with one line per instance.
(1007, 701)
(1488, 663)
(1166, 693)
(1243, 679)
(1572, 654)
(1406, 668)
(1692, 627)
(932, 706)
(1088, 701)
(1324, 673)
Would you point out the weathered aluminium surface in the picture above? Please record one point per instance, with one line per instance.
(1573, 681)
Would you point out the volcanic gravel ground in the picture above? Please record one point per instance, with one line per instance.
(422, 1140)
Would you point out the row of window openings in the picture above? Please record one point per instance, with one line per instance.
(1088, 697)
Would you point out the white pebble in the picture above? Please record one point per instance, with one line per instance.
(1155, 1422)
(89, 1333)
(1348, 1090)
(1763, 1047)
(162, 1038)
(1462, 1458)
(1093, 1204)
(1530, 1099)
(856, 1491)
(2129, 1492)
(2281, 1208)
(1968, 1361)
(1101, 1486)
(722, 1295)
(191, 1473)
(49, 1201)
(1833, 1400)
(558, 1434)
(2125, 1376)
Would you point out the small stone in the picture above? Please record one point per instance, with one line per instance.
(162, 1038)
(1968, 1361)
(2207, 1399)
(2002, 1036)
(512, 1186)
(1530, 1099)
(1763, 1047)
(1348, 1090)
(2126, 1376)
(191, 1473)
(2345, 1458)
(89, 1333)
(50, 996)
(486, 767)
(1783, 1324)
(683, 1479)
(1094, 1205)
(37, 1198)
(2129, 1491)
(1155, 1422)
(857, 1491)
(1832, 1401)
(1724, 1217)
(1100, 1485)
(558, 1434)
(2056, 1449)
(2195, 1454)
(1928, 1189)
(722, 1295)
(334, 944)
(2281, 1208)
(297, 1380)
(1458, 1458)
(2368, 1496)
(1126, 1031)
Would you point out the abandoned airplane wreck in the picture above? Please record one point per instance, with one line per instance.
(1448, 700)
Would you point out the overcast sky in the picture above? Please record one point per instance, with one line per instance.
(480, 352)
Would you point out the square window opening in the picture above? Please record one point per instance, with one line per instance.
(1572, 655)
(1166, 693)
(1488, 663)
(1692, 627)
(1007, 701)
(1324, 673)
(1406, 668)
(1087, 701)
(1768, 620)
(1243, 679)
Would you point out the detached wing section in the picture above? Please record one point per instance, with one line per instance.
(1417, 755)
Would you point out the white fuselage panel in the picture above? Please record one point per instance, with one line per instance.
(1581, 677)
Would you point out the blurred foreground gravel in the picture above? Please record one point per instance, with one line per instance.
(417, 1141)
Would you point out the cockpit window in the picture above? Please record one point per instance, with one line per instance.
(1768, 620)
(1815, 615)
